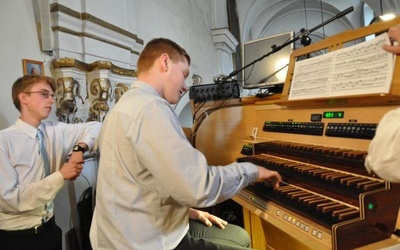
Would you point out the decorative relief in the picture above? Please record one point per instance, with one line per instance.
(86, 92)
(196, 80)
(100, 90)
(120, 89)
(68, 90)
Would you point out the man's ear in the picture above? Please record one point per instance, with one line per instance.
(22, 98)
(164, 61)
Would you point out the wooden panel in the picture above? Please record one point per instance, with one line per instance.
(391, 243)
(270, 231)
(219, 135)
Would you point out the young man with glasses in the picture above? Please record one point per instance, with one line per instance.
(33, 166)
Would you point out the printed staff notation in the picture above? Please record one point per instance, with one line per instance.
(363, 68)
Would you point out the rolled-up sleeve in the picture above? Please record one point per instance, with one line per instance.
(384, 151)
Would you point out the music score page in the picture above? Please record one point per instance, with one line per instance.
(364, 68)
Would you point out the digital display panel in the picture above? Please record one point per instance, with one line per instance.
(333, 114)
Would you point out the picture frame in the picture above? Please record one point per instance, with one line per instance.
(32, 67)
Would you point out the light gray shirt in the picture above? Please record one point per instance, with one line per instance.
(150, 175)
(384, 150)
(23, 190)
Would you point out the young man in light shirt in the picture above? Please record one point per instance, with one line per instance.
(150, 176)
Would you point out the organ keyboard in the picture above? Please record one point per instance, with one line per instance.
(329, 186)
(327, 200)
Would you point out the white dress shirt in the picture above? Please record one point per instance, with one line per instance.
(24, 192)
(150, 175)
(384, 150)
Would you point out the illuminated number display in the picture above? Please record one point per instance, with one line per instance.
(333, 114)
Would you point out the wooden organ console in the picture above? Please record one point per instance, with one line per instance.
(327, 200)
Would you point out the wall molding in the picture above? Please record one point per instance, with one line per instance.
(87, 37)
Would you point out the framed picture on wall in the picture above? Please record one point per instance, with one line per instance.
(32, 67)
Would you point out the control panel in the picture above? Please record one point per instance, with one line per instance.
(333, 129)
(306, 128)
(214, 92)
(351, 130)
(286, 217)
(247, 149)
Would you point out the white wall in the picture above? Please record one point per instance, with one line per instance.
(19, 40)
(189, 23)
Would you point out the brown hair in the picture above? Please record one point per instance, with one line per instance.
(25, 83)
(155, 48)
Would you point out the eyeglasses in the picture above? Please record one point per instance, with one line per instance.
(44, 94)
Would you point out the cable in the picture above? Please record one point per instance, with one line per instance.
(322, 18)
(87, 180)
(305, 14)
(200, 120)
(194, 114)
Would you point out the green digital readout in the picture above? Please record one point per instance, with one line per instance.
(333, 114)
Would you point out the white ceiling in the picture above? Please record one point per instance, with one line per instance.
(260, 18)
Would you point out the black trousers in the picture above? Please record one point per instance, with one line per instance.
(46, 237)
(201, 237)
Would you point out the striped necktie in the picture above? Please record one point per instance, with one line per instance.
(43, 153)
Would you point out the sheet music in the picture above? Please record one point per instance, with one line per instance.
(364, 68)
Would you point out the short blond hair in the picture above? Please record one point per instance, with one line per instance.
(25, 83)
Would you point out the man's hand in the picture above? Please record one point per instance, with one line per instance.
(270, 176)
(207, 218)
(73, 168)
(394, 35)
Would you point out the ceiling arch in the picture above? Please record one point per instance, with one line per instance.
(260, 18)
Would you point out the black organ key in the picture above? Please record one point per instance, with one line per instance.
(333, 207)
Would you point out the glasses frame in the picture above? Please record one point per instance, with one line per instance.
(43, 93)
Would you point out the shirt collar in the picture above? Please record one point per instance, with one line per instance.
(144, 86)
(27, 128)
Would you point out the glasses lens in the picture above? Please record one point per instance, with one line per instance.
(44, 94)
